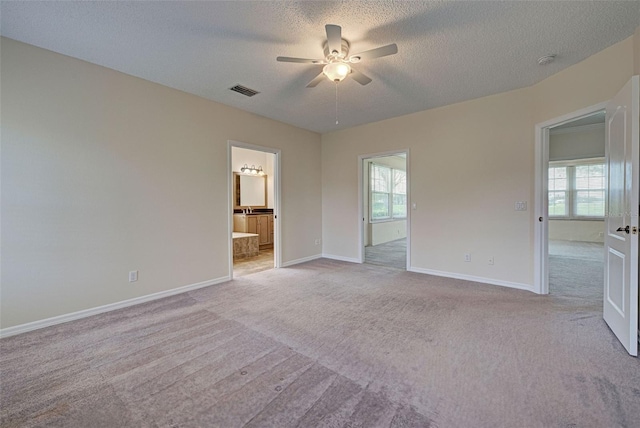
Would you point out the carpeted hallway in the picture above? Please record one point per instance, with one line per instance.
(328, 344)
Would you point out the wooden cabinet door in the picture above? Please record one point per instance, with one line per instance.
(269, 221)
(252, 224)
(271, 228)
(263, 229)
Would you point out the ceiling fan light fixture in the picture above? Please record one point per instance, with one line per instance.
(336, 71)
(337, 62)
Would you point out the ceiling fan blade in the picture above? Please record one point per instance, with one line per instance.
(319, 78)
(359, 77)
(375, 53)
(301, 60)
(334, 38)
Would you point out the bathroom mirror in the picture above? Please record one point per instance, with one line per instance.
(249, 191)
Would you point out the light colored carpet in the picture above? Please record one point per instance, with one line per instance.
(331, 344)
(576, 271)
(577, 249)
(391, 254)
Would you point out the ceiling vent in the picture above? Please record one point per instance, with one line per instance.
(244, 90)
(547, 59)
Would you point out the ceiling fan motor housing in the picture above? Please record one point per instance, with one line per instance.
(343, 54)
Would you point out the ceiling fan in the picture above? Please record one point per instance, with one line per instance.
(337, 61)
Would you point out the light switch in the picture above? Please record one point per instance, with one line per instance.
(521, 206)
(414, 206)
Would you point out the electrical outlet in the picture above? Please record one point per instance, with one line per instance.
(491, 260)
(133, 276)
(467, 257)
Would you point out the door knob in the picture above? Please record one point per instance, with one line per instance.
(620, 229)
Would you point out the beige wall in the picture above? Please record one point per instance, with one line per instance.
(470, 162)
(577, 230)
(459, 155)
(388, 231)
(636, 55)
(104, 173)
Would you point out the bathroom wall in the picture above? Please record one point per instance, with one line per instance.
(241, 157)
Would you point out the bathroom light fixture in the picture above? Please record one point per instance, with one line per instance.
(252, 171)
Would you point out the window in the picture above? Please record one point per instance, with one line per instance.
(576, 189)
(399, 209)
(589, 190)
(388, 191)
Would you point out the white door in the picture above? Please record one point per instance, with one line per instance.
(621, 240)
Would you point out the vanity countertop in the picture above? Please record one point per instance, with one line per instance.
(254, 213)
(243, 235)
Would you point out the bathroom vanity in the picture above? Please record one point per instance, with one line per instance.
(257, 223)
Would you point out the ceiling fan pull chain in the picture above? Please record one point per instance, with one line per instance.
(336, 103)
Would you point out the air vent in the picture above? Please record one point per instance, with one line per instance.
(244, 90)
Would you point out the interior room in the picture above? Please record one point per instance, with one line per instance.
(385, 210)
(253, 194)
(577, 208)
(122, 124)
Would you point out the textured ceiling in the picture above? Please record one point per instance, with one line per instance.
(449, 51)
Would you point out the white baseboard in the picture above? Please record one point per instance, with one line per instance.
(302, 260)
(340, 258)
(35, 325)
(483, 280)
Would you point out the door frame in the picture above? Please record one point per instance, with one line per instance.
(361, 160)
(541, 233)
(277, 191)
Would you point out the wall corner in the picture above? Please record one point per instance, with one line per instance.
(636, 51)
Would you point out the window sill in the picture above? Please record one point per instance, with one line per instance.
(577, 218)
(387, 220)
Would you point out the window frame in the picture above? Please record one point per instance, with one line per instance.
(390, 194)
(571, 191)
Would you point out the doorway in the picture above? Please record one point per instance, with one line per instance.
(576, 209)
(384, 194)
(621, 301)
(548, 201)
(254, 207)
